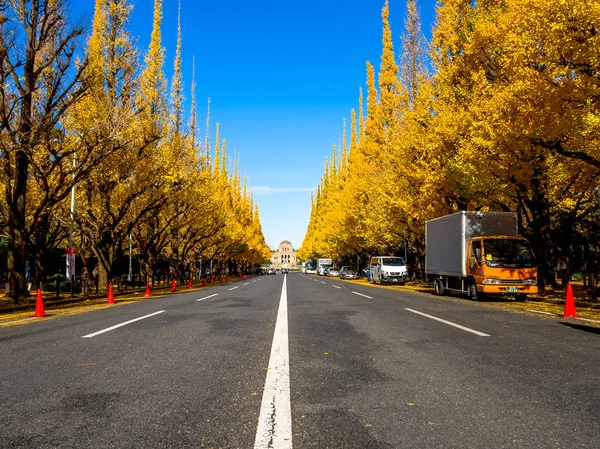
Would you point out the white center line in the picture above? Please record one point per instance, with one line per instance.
(233, 288)
(360, 294)
(108, 329)
(247, 283)
(335, 286)
(206, 297)
(323, 282)
(450, 323)
(275, 419)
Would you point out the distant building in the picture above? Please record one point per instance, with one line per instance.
(285, 256)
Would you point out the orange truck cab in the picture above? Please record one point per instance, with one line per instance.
(502, 265)
(479, 253)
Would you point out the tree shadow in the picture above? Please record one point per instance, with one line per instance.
(582, 327)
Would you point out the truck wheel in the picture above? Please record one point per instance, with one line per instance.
(521, 298)
(439, 287)
(474, 295)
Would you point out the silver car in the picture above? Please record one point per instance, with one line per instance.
(332, 272)
(348, 273)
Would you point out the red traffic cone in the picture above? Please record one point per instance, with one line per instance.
(111, 296)
(203, 281)
(147, 294)
(39, 305)
(174, 285)
(212, 279)
(570, 304)
(220, 279)
(190, 283)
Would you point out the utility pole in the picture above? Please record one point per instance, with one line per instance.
(71, 251)
(130, 276)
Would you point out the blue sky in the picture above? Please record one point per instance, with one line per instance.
(281, 76)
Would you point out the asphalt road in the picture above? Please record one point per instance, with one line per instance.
(320, 363)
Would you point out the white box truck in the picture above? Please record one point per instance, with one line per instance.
(323, 265)
(479, 253)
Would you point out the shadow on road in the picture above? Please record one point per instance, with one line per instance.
(582, 327)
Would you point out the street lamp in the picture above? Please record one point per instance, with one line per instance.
(71, 251)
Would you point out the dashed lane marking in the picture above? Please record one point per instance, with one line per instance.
(449, 323)
(108, 329)
(233, 288)
(360, 294)
(206, 297)
(247, 283)
(336, 286)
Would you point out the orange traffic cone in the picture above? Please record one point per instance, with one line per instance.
(39, 305)
(212, 279)
(203, 281)
(570, 304)
(174, 285)
(111, 296)
(147, 294)
(190, 283)
(220, 279)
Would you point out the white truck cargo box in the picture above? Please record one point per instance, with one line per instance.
(446, 237)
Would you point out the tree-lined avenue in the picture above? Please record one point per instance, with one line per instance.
(363, 372)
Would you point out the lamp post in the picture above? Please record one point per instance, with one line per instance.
(71, 251)
(130, 275)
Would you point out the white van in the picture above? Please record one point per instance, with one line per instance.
(388, 270)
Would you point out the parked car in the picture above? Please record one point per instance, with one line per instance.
(388, 270)
(334, 272)
(311, 271)
(284, 271)
(348, 273)
(272, 271)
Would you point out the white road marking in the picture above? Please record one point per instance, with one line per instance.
(233, 288)
(323, 282)
(275, 419)
(108, 329)
(449, 323)
(247, 283)
(206, 297)
(335, 286)
(587, 319)
(253, 282)
(360, 294)
(540, 311)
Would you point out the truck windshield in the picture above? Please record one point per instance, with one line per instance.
(394, 261)
(507, 253)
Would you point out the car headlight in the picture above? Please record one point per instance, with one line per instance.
(491, 281)
(532, 281)
(385, 273)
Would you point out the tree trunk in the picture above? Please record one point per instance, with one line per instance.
(16, 228)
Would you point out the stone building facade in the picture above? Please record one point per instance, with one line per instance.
(285, 256)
